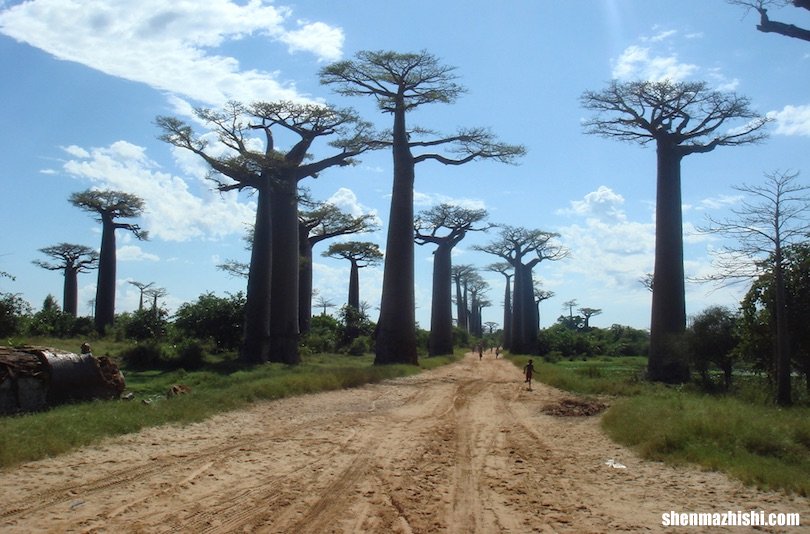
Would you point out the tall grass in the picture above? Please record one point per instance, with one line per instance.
(64, 428)
(742, 435)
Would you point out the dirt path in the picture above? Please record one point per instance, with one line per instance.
(461, 449)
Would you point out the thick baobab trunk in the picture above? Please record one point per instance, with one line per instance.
(284, 275)
(524, 321)
(441, 312)
(507, 316)
(105, 288)
(668, 321)
(304, 280)
(256, 342)
(783, 393)
(460, 310)
(70, 297)
(396, 328)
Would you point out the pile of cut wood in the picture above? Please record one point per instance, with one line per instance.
(34, 378)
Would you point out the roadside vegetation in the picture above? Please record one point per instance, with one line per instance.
(740, 432)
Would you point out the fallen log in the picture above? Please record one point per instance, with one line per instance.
(35, 378)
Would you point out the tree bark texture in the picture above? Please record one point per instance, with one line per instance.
(441, 316)
(105, 288)
(668, 317)
(70, 297)
(396, 328)
(354, 286)
(284, 273)
(507, 315)
(524, 321)
(783, 393)
(304, 280)
(256, 341)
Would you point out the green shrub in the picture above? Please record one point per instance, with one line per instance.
(142, 356)
(359, 346)
(190, 355)
(219, 319)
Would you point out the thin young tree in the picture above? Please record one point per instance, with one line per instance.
(774, 215)
(271, 324)
(680, 118)
(505, 269)
(766, 25)
(401, 83)
(142, 287)
(325, 303)
(71, 260)
(445, 226)
(523, 249)
(319, 222)
(540, 295)
(109, 206)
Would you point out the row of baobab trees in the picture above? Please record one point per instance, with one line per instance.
(678, 118)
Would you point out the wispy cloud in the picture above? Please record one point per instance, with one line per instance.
(642, 63)
(171, 46)
(792, 120)
(427, 200)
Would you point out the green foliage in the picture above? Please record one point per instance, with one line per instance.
(149, 355)
(461, 338)
(712, 340)
(359, 346)
(324, 335)
(13, 313)
(219, 319)
(51, 321)
(561, 340)
(140, 325)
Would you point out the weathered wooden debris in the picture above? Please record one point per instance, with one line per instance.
(34, 378)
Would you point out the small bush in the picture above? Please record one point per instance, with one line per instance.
(190, 355)
(359, 346)
(144, 356)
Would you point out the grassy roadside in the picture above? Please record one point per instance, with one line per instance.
(65, 428)
(758, 443)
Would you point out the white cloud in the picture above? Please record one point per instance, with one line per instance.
(173, 211)
(604, 203)
(345, 199)
(433, 199)
(171, 46)
(662, 36)
(720, 201)
(134, 253)
(323, 40)
(638, 63)
(792, 120)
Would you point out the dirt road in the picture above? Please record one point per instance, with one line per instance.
(461, 449)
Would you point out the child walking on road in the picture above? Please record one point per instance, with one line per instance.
(529, 371)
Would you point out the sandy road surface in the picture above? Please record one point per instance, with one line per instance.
(460, 449)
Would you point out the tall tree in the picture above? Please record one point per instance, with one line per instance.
(142, 287)
(271, 324)
(319, 222)
(774, 216)
(71, 260)
(477, 286)
(504, 268)
(540, 295)
(766, 25)
(109, 206)
(681, 118)
(360, 254)
(523, 249)
(445, 226)
(461, 274)
(587, 313)
(400, 83)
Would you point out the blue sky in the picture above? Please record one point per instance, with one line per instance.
(82, 85)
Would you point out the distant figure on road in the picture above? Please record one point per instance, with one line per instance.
(480, 352)
(497, 352)
(529, 371)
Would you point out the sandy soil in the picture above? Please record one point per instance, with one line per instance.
(461, 449)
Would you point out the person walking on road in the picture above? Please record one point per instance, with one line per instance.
(528, 370)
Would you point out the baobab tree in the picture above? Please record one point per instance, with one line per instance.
(476, 286)
(71, 260)
(774, 216)
(271, 324)
(461, 275)
(540, 295)
(681, 118)
(587, 313)
(109, 206)
(766, 25)
(491, 326)
(360, 254)
(445, 226)
(504, 268)
(523, 249)
(401, 83)
(142, 287)
(319, 222)
(325, 303)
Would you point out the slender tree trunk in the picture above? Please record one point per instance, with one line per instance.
(441, 314)
(783, 393)
(304, 280)
(105, 288)
(70, 297)
(459, 305)
(396, 328)
(507, 316)
(284, 275)
(668, 321)
(256, 341)
(467, 312)
(354, 286)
